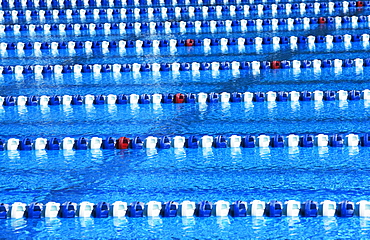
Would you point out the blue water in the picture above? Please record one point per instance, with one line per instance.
(237, 15)
(317, 173)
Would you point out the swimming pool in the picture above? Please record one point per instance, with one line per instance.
(126, 54)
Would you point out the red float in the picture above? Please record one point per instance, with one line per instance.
(123, 143)
(189, 42)
(179, 98)
(275, 65)
(322, 20)
(359, 4)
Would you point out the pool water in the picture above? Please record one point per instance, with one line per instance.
(212, 174)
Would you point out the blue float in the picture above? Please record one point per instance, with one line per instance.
(327, 63)
(238, 209)
(34, 210)
(109, 143)
(101, 210)
(220, 142)
(54, 100)
(136, 143)
(236, 97)
(282, 96)
(336, 140)
(99, 99)
(345, 209)
(167, 98)
(284, 40)
(53, 144)
(32, 101)
(245, 65)
(25, 144)
(213, 97)
(277, 141)
(306, 140)
(136, 209)
(285, 64)
(365, 140)
(354, 95)
(191, 142)
(306, 64)
(27, 69)
(248, 141)
(80, 144)
(122, 99)
(77, 100)
(259, 97)
(329, 95)
(67, 210)
(165, 67)
(2, 145)
(203, 209)
(3, 210)
(164, 142)
(169, 209)
(309, 209)
(225, 66)
(144, 99)
(190, 98)
(205, 66)
(274, 209)
(87, 68)
(305, 96)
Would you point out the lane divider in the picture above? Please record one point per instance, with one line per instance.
(255, 66)
(47, 4)
(202, 98)
(179, 142)
(221, 208)
(174, 43)
(219, 10)
(210, 25)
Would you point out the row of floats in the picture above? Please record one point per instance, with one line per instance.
(220, 208)
(256, 66)
(174, 43)
(201, 98)
(180, 25)
(180, 11)
(47, 4)
(206, 141)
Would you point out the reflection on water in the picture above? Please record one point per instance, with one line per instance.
(323, 151)
(45, 110)
(22, 110)
(258, 222)
(13, 155)
(343, 105)
(295, 106)
(329, 223)
(17, 224)
(207, 152)
(366, 103)
(150, 152)
(41, 155)
(120, 222)
(318, 105)
(293, 151)
(264, 152)
(223, 222)
(180, 153)
(86, 222)
(155, 222)
(52, 224)
(188, 222)
(352, 151)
